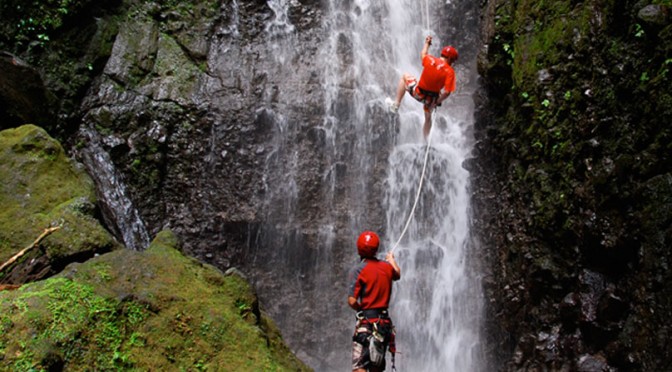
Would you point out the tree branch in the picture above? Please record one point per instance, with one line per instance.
(24, 250)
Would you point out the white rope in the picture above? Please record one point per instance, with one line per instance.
(427, 14)
(417, 195)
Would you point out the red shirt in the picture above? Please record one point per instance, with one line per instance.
(371, 283)
(436, 74)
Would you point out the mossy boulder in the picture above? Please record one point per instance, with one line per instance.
(155, 310)
(41, 187)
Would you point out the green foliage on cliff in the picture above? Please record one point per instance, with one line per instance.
(155, 310)
(67, 40)
(27, 22)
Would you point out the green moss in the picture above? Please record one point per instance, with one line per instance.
(177, 68)
(37, 177)
(548, 33)
(41, 188)
(152, 310)
(59, 316)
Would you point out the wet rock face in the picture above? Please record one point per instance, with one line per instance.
(187, 113)
(571, 184)
(179, 110)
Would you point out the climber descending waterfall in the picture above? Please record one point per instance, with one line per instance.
(437, 82)
(371, 281)
(437, 306)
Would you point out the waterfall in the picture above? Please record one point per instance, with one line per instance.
(337, 162)
(436, 305)
(362, 164)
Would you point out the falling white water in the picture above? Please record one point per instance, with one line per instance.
(436, 305)
(280, 23)
(119, 212)
(366, 46)
(234, 19)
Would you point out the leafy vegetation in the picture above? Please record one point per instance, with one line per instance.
(35, 21)
(545, 45)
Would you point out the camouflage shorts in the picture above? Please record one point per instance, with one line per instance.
(359, 360)
(360, 349)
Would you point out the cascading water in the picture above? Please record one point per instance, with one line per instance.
(437, 304)
(119, 212)
(363, 164)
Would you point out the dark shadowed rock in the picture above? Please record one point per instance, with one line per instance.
(574, 189)
(23, 97)
(658, 15)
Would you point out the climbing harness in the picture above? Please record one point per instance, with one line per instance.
(375, 336)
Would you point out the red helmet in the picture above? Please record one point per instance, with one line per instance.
(367, 244)
(449, 52)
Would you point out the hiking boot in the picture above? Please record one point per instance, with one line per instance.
(394, 108)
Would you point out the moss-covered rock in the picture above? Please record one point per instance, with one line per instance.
(41, 187)
(155, 310)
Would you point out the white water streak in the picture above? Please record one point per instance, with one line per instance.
(436, 305)
(367, 46)
(113, 194)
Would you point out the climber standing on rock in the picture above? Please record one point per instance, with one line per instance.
(437, 82)
(369, 294)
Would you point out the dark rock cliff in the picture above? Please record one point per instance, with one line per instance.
(181, 99)
(573, 189)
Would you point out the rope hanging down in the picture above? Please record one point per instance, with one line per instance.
(417, 195)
